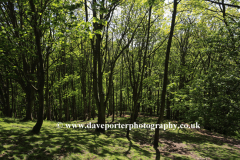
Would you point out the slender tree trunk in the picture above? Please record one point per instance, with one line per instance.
(73, 89)
(110, 105)
(7, 109)
(89, 77)
(13, 101)
(30, 102)
(158, 102)
(48, 107)
(4, 94)
(60, 95)
(165, 80)
(113, 104)
(89, 95)
(168, 107)
(120, 102)
(38, 34)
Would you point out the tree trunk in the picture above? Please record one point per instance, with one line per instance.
(137, 85)
(48, 106)
(168, 107)
(4, 94)
(113, 104)
(30, 100)
(165, 80)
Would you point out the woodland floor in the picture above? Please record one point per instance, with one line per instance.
(54, 143)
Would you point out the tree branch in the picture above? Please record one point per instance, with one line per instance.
(230, 5)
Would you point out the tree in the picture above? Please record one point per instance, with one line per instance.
(160, 118)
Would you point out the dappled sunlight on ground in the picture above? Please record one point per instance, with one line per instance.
(65, 143)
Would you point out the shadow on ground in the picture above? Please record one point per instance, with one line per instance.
(55, 143)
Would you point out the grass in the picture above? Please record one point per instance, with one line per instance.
(65, 143)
